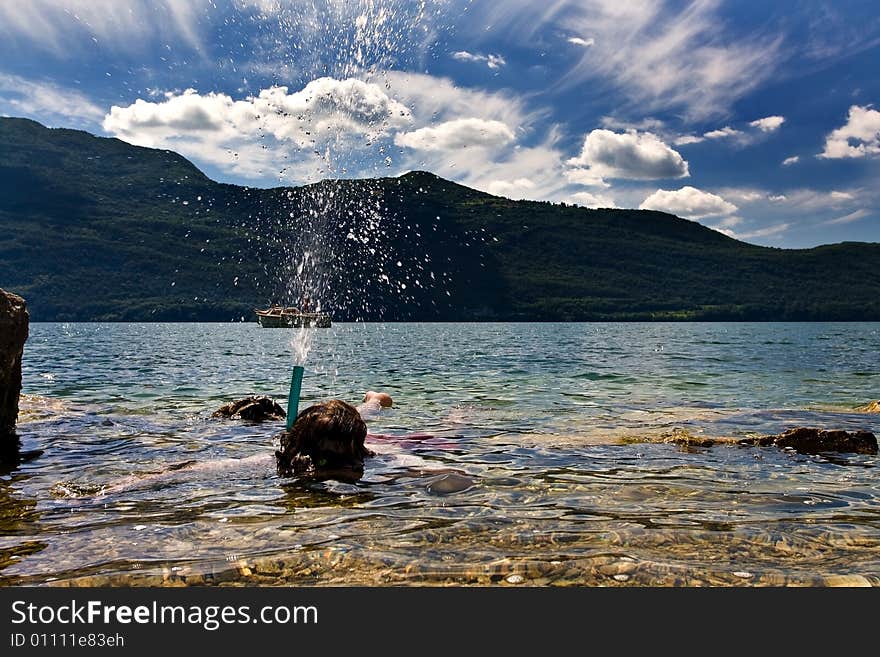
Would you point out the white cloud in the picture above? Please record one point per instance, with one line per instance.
(722, 133)
(211, 128)
(446, 117)
(585, 177)
(590, 200)
(684, 140)
(794, 159)
(489, 170)
(688, 202)
(323, 108)
(631, 155)
(457, 134)
(492, 61)
(47, 102)
(439, 99)
(849, 218)
(768, 123)
(512, 189)
(579, 41)
(348, 128)
(858, 137)
(435, 101)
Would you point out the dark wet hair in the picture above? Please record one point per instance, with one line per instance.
(325, 437)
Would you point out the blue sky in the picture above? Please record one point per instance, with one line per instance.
(758, 119)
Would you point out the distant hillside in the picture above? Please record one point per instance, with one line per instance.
(97, 229)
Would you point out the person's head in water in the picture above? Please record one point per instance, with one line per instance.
(326, 441)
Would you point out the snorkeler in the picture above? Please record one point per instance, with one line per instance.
(327, 441)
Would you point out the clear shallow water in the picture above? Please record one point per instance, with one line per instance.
(533, 414)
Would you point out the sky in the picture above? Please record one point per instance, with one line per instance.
(758, 119)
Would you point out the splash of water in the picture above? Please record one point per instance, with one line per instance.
(329, 247)
(335, 246)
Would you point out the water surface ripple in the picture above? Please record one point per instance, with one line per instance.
(532, 476)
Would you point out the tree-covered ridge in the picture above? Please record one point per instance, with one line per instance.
(97, 229)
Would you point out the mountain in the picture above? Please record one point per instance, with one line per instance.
(97, 229)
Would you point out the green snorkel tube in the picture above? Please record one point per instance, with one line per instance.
(293, 399)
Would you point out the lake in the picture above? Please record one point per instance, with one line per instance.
(550, 423)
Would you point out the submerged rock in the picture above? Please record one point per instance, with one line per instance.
(253, 409)
(448, 483)
(872, 407)
(801, 439)
(13, 334)
(813, 441)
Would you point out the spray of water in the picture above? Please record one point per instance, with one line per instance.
(330, 239)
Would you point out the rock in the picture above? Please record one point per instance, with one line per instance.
(253, 409)
(801, 439)
(848, 581)
(13, 334)
(449, 483)
(873, 407)
(813, 441)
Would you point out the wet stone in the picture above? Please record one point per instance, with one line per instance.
(847, 580)
(814, 441)
(252, 409)
(13, 334)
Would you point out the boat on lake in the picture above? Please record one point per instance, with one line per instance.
(291, 317)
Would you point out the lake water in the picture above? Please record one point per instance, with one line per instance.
(546, 420)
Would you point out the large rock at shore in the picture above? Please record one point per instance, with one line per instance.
(814, 441)
(13, 334)
(253, 409)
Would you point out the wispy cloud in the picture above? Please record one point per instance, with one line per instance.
(768, 231)
(63, 27)
(745, 135)
(655, 52)
(849, 218)
(722, 133)
(492, 61)
(47, 102)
